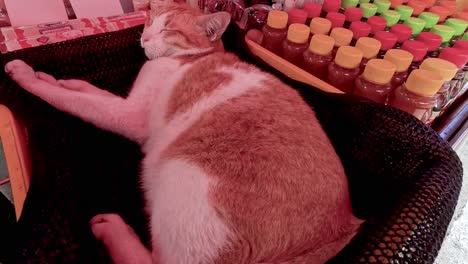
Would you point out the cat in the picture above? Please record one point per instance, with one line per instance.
(237, 167)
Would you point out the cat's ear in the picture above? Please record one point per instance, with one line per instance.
(214, 24)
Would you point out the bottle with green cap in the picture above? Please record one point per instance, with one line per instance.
(431, 20)
(368, 10)
(445, 32)
(465, 36)
(459, 26)
(382, 5)
(405, 12)
(348, 3)
(364, 1)
(416, 24)
(391, 16)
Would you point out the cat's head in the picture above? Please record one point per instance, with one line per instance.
(175, 29)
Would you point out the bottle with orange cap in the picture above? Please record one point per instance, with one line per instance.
(342, 37)
(275, 30)
(319, 25)
(447, 71)
(375, 81)
(370, 48)
(295, 43)
(459, 58)
(402, 60)
(319, 55)
(417, 95)
(345, 68)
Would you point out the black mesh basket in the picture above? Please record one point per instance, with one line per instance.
(404, 179)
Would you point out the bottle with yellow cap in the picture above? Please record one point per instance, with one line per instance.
(402, 60)
(345, 68)
(342, 37)
(319, 55)
(375, 81)
(275, 30)
(295, 43)
(447, 71)
(370, 48)
(417, 95)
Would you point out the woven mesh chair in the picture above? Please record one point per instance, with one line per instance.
(404, 180)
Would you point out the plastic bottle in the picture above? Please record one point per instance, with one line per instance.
(404, 11)
(402, 60)
(417, 95)
(431, 20)
(432, 41)
(445, 32)
(319, 55)
(447, 71)
(375, 81)
(336, 19)
(345, 68)
(418, 6)
(313, 10)
(370, 48)
(359, 29)
(377, 24)
(441, 11)
(461, 15)
(364, 2)
(382, 5)
(451, 6)
(403, 33)
(416, 24)
(459, 26)
(459, 58)
(295, 43)
(462, 45)
(418, 49)
(392, 17)
(320, 25)
(297, 16)
(429, 3)
(275, 31)
(342, 36)
(388, 41)
(330, 6)
(395, 3)
(352, 14)
(368, 10)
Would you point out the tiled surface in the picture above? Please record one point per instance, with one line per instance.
(455, 247)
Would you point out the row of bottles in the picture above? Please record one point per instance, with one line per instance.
(370, 67)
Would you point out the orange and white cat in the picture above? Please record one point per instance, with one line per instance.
(237, 167)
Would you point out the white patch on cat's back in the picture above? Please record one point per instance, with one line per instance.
(185, 227)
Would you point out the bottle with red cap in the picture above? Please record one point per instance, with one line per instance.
(377, 24)
(313, 10)
(418, 6)
(432, 41)
(352, 14)
(275, 30)
(330, 6)
(459, 58)
(337, 19)
(375, 81)
(359, 29)
(388, 41)
(403, 33)
(345, 68)
(319, 55)
(418, 49)
(451, 6)
(441, 11)
(297, 16)
(417, 95)
(402, 60)
(462, 45)
(295, 43)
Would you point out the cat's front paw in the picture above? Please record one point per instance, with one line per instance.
(20, 72)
